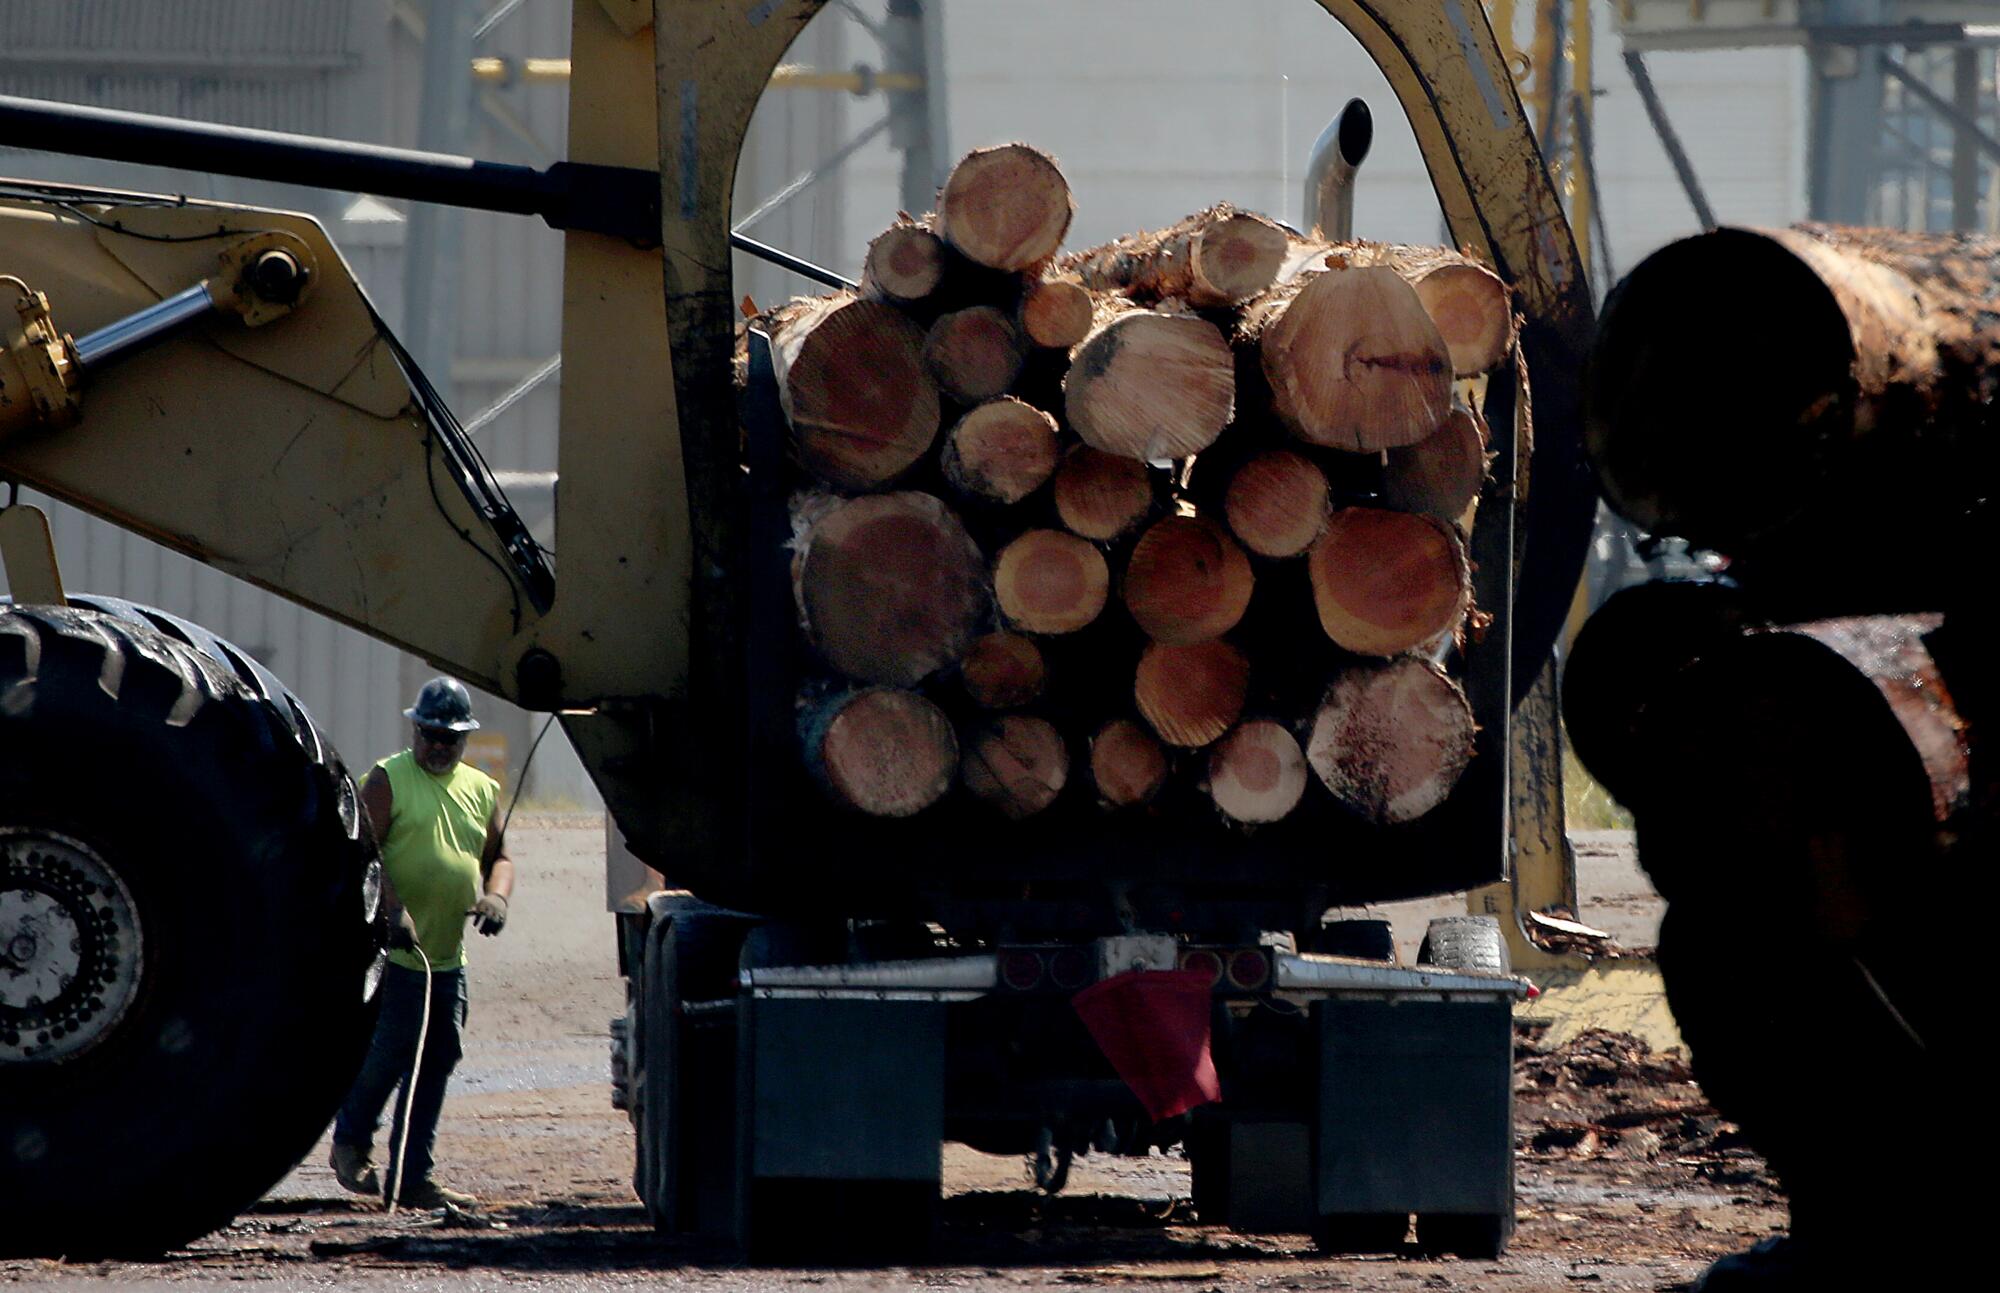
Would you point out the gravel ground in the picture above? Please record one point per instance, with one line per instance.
(1626, 1181)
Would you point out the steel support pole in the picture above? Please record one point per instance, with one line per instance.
(431, 248)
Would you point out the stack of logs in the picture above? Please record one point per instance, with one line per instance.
(1184, 514)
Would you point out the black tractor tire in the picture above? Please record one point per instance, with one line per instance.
(166, 758)
(1368, 938)
(1465, 943)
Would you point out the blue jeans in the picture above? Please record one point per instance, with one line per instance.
(388, 1066)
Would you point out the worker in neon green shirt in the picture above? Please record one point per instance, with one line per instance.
(436, 820)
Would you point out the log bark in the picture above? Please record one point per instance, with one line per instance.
(1003, 670)
(1215, 258)
(1100, 495)
(1441, 475)
(975, 354)
(1879, 386)
(1351, 359)
(1626, 655)
(1190, 695)
(1150, 385)
(1257, 773)
(881, 751)
(1004, 450)
(1391, 740)
(1006, 207)
(1127, 764)
(1017, 763)
(890, 588)
(1050, 582)
(1277, 503)
(1055, 313)
(1833, 758)
(854, 387)
(904, 265)
(1186, 581)
(1388, 582)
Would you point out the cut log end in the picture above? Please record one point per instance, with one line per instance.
(1388, 582)
(1003, 450)
(975, 354)
(1018, 764)
(1100, 495)
(1002, 670)
(1056, 313)
(882, 752)
(1390, 741)
(905, 264)
(860, 399)
(1127, 764)
(1440, 475)
(1354, 362)
(1187, 581)
(1151, 386)
(1006, 208)
(1257, 773)
(1473, 314)
(890, 587)
(1050, 582)
(1235, 258)
(1190, 695)
(1277, 503)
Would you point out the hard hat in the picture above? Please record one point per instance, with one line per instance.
(443, 703)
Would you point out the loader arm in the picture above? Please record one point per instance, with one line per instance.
(294, 455)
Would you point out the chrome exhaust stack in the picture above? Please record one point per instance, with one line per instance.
(1336, 155)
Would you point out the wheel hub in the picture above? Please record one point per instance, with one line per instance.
(70, 947)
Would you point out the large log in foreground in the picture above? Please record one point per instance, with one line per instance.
(883, 752)
(1352, 359)
(890, 587)
(1150, 385)
(1832, 759)
(1218, 257)
(1388, 582)
(1006, 208)
(1880, 381)
(1391, 740)
(854, 387)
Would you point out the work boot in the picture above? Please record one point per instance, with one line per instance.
(426, 1194)
(353, 1168)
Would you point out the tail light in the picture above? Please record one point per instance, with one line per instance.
(1204, 961)
(1249, 967)
(1020, 969)
(1069, 968)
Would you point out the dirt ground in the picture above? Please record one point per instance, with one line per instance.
(1626, 1179)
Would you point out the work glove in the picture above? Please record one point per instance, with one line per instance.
(489, 914)
(402, 932)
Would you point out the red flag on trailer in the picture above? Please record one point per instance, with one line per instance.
(1153, 1025)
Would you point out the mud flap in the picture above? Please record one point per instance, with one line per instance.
(841, 1120)
(1416, 1109)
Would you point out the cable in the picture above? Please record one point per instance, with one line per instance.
(410, 1091)
(521, 782)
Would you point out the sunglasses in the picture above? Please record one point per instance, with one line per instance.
(440, 735)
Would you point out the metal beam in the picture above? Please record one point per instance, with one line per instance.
(1969, 127)
(1656, 112)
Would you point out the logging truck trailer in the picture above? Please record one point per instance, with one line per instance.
(828, 998)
